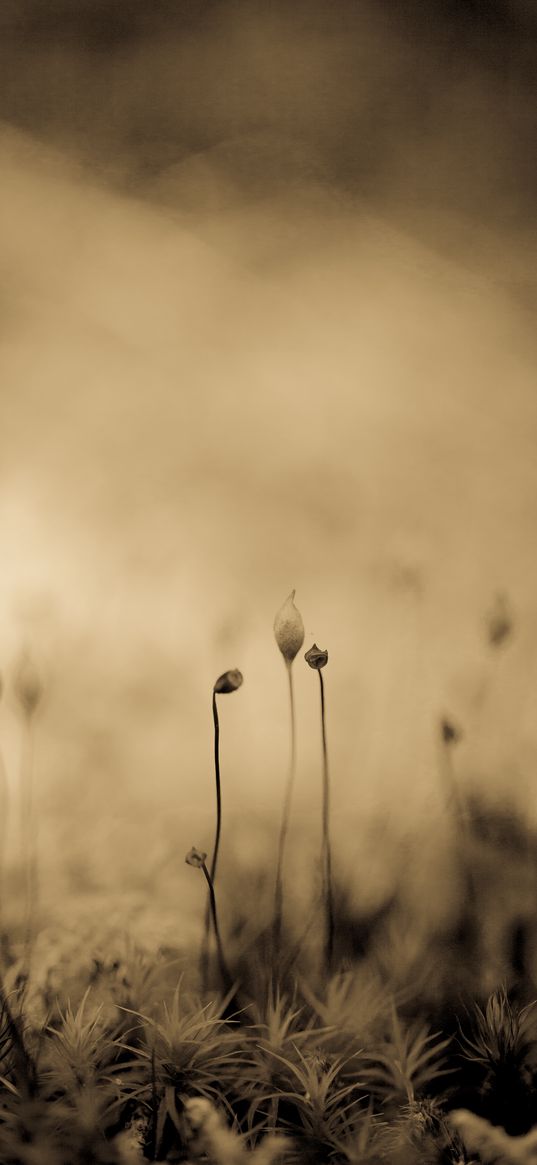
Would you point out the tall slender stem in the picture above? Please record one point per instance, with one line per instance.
(224, 970)
(326, 850)
(284, 827)
(214, 858)
(455, 800)
(456, 803)
(28, 835)
(4, 821)
(204, 962)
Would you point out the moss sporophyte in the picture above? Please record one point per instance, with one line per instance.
(226, 683)
(317, 660)
(289, 629)
(289, 636)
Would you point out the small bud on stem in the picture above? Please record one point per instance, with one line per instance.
(229, 681)
(197, 858)
(316, 658)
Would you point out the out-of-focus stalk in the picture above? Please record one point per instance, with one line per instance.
(28, 690)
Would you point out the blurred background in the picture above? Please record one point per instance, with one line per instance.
(267, 322)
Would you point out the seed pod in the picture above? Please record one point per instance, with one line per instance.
(499, 622)
(289, 629)
(316, 658)
(229, 681)
(196, 857)
(449, 732)
(27, 685)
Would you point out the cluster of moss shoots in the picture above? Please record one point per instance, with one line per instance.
(350, 1061)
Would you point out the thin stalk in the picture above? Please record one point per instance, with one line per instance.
(326, 849)
(151, 1140)
(454, 797)
(204, 963)
(223, 967)
(457, 804)
(284, 827)
(292, 956)
(4, 819)
(216, 848)
(28, 833)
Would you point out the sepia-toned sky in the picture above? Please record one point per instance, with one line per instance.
(267, 322)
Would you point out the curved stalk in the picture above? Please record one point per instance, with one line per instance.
(204, 962)
(216, 847)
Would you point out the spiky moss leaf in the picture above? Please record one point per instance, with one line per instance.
(314, 1102)
(280, 1031)
(403, 1067)
(499, 1056)
(501, 1033)
(188, 1047)
(137, 979)
(352, 1010)
(365, 1143)
(78, 1055)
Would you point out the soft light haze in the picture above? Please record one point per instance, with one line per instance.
(216, 390)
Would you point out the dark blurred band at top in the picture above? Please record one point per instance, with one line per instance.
(431, 104)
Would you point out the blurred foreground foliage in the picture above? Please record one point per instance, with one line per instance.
(409, 1051)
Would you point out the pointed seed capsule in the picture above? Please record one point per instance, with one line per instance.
(27, 685)
(450, 733)
(289, 629)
